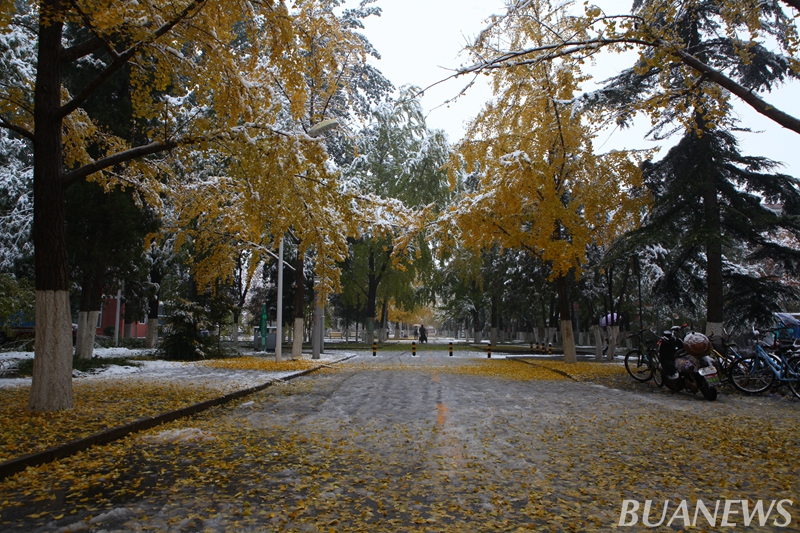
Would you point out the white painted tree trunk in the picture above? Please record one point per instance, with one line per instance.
(91, 333)
(79, 340)
(715, 328)
(598, 343)
(370, 330)
(613, 335)
(493, 336)
(235, 332)
(152, 333)
(570, 356)
(297, 340)
(550, 336)
(51, 389)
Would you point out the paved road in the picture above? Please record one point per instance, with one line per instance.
(426, 443)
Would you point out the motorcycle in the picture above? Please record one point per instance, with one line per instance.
(687, 363)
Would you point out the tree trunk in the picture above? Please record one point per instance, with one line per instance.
(714, 301)
(235, 327)
(613, 335)
(83, 318)
(477, 327)
(95, 307)
(568, 340)
(598, 342)
(91, 332)
(494, 322)
(51, 389)
(152, 313)
(299, 287)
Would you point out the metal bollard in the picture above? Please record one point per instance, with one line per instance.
(451, 349)
(489, 351)
(413, 348)
(550, 349)
(374, 349)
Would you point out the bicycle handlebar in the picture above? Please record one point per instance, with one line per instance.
(632, 335)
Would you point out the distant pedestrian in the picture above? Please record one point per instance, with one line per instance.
(423, 334)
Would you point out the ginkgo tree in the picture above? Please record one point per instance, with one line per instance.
(200, 71)
(742, 49)
(541, 187)
(250, 192)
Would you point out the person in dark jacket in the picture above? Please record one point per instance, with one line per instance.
(423, 334)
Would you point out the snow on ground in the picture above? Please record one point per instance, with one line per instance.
(195, 373)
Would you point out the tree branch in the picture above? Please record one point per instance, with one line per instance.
(762, 107)
(116, 159)
(17, 129)
(81, 50)
(150, 149)
(120, 59)
(792, 3)
(552, 51)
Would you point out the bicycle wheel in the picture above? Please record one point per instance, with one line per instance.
(637, 366)
(794, 366)
(658, 375)
(751, 375)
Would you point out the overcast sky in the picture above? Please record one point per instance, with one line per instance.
(420, 41)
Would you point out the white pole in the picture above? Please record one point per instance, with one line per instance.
(315, 337)
(279, 317)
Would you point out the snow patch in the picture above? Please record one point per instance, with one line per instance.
(115, 514)
(172, 436)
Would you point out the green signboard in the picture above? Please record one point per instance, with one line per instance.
(264, 328)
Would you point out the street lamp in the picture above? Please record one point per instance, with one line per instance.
(323, 127)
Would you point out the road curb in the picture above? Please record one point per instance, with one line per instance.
(18, 464)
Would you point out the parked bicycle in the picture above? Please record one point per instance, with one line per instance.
(724, 359)
(642, 362)
(757, 373)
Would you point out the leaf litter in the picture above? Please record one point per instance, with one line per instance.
(280, 468)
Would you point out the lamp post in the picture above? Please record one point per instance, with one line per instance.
(279, 313)
(315, 337)
(318, 329)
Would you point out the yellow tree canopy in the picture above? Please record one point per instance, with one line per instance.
(537, 183)
(692, 55)
(280, 179)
